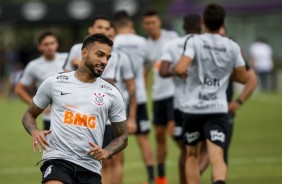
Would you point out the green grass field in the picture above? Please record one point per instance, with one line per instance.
(255, 155)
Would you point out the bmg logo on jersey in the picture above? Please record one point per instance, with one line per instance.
(211, 82)
(82, 120)
(99, 99)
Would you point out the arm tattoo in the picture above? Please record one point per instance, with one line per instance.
(121, 140)
(29, 118)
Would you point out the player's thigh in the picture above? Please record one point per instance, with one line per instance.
(193, 129)
(216, 129)
(57, 170)
(53, 182)
(143, 123)
(85, 176)
(178, 129)
(159, 115)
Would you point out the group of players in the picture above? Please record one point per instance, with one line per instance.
(192, 98)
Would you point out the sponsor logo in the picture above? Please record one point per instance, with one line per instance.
(99, 99)
(62, 93)
(217, 136)
(216, 49)
(106, 87)
(193, 136)
(62, 77)
(78, 119)
(211, 82)
(48, 171)
(177, 131)
(144, 125)
(207, 96)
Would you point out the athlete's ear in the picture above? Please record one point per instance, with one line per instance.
(90, 30)
(84, 53)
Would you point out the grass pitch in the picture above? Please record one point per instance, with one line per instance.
(255, 154)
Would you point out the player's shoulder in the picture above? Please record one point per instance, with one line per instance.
(62, 55)
(63, 76)
(107, 86)
(76, 46)
(169, 33)
(35, 62)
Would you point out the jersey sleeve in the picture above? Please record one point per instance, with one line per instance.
(127, 70)
(239, 60)
(166, 54)
(117, 112)
(189, 49)
(43, 95)
(27, 77)
(110, 70)
(75, 52)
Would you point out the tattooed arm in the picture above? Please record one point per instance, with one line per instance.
(131, 122)
(30, 124)
(117, 145)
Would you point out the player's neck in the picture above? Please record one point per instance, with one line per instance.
(124, 30)
(49, 57)
(84, 75)
(210, 31)
(156, 35)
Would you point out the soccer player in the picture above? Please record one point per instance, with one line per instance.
(120, 72)
(233, 106)
(163, 88)
(82, 103)
(206, 65)
(135, 47)
(171, 53)
(51, 62)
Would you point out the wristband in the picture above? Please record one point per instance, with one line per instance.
(239, 101)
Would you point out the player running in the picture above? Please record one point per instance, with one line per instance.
(171, 53)
(163, 88)
(49, 63)
(82, 103)
(135, 47)
(206, 66)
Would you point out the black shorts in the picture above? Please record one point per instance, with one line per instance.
(229, 134)
(109, 135)
(198, 127)
(67, 172)
(143, 124)
(178, 129)
(163, 111)
(46, 124)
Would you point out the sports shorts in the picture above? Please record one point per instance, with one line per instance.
(163, 111)
(109, 135)
(199, 127)
(178, 129)
(229, 134)
(46, 124)
(143, 124)
(67, 172)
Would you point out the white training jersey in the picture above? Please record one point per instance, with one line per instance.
(79, 113)
(214, 58)
(171, 52)
(162, 87)
(135, 48)
(40, 69)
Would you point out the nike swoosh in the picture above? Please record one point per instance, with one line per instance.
(65, 93)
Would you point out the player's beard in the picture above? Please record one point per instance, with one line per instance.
(91, 68)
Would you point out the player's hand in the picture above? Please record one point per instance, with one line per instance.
(39, 141)
(47, 110)
(97, 152)
(233, 106)
(131, 125)
(170, 128)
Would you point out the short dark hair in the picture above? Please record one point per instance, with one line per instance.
(44, 34)
(192, 23)
(99, 17)
(121, 19)
(150, 12)
(101, 38)
(214, 15)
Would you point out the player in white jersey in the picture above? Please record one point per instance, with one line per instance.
(82, 103)
(206, 65)
(171, 53)
(163, 88)
(135, 47)
(51, 62)
(120, 72)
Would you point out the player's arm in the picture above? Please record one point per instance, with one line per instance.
(20, 90)
(181, 67)
(131, 89)
(117, 145)
(165, 69)
(247, 91)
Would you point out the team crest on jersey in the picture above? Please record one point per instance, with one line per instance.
(99, 99)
